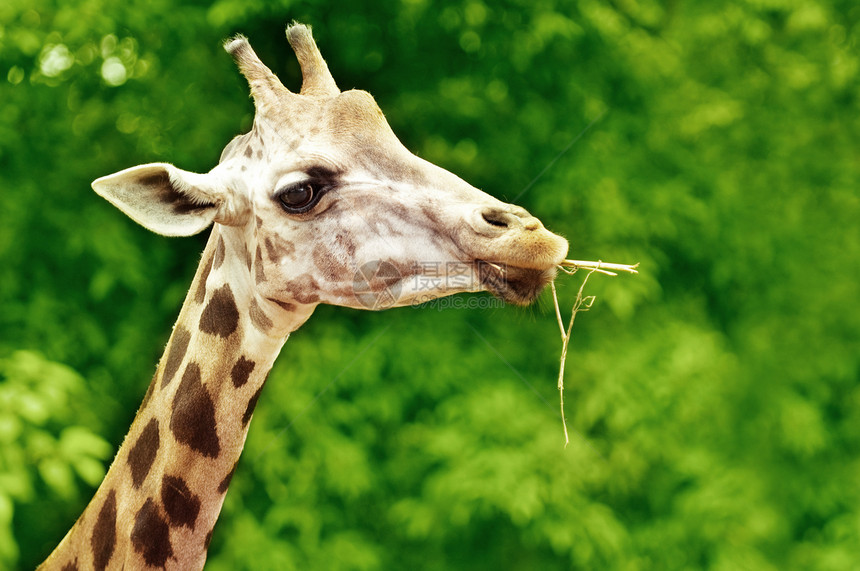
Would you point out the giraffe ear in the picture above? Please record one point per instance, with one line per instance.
(168, 200)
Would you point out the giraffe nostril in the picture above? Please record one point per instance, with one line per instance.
(496, 218)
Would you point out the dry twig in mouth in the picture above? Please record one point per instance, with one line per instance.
(580, 304)
(570, 267)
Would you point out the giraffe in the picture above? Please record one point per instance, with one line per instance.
(319, 189)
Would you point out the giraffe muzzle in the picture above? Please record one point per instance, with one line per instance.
(508, 235)
(515, 255)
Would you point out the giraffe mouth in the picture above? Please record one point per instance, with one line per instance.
(512, 284)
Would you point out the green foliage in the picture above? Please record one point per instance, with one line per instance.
(44, 452)
(713, 400)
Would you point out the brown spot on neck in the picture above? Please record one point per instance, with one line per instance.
(151, 535)
(200, 292)
(220, 252)
(149, 391)
(241, 371)
(181, 505)
(252, 404)
(220, 316)
(225, 483)
(103, 539)
(142, 454)
(178, 347)
(192, 419)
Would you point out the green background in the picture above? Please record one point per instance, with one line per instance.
(713, 400)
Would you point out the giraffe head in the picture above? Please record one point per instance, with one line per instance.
(325, 205)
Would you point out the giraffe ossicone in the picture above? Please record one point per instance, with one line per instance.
(318, 203)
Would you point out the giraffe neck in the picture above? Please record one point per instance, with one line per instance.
(158, 504)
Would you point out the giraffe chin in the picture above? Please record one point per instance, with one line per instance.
(518, 286)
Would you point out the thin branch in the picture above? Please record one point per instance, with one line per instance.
(582, 303)
(570, 267)
(557, 312)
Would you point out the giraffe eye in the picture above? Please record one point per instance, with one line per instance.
(298, 197)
